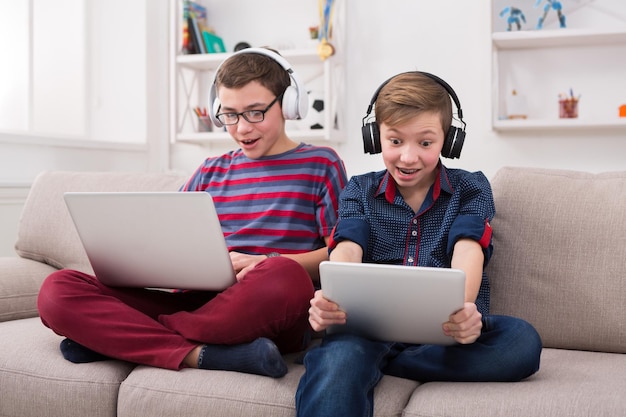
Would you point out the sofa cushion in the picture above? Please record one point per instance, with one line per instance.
(35, 380)
(19, 286)
(569, 383)
(192, 392)
(559, 255)
(46, 232)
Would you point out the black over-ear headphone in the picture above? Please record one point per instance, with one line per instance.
(295, 103)
(455, 136)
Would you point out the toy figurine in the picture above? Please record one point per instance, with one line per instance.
(554, 5)
(515, 15)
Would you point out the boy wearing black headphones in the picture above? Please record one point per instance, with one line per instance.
(417, 212)
(277, 203)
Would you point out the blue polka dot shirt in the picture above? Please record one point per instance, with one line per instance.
(373, 214)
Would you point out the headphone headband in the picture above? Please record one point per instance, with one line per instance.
(295, 102)
(261, 51)
(454, 137)
(440, 81)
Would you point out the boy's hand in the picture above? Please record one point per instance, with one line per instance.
(465, 325)
(324, 313)
(243, 263)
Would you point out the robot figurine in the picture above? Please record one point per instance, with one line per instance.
(515, 15)
(554, 5)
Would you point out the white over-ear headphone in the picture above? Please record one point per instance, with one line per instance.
(295, 103)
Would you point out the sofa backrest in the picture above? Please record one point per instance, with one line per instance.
(46, 232)
(560, 255)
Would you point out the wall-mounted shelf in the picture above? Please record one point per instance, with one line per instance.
(204, 138)
(534, 69)
(558, 124)
(191, 76)
(556, 38)
(209, 62)
(545, 63)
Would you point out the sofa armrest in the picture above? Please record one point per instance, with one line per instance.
(20, 280)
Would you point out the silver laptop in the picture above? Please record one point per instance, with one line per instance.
(392, 302)
(152, 239)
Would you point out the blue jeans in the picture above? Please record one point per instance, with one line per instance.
(342, 372)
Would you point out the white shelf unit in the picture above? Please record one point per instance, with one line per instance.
(540, 63)
(191, 76)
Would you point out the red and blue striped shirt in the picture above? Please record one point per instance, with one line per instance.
(283, 203)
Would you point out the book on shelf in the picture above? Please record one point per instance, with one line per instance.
(192, 24)
(214, 44)
(185, 46)
(195, 35)
(198, 37)
(197, 10)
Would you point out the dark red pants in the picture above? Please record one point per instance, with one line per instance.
(160, 328)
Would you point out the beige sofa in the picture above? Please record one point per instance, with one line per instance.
(559, 262)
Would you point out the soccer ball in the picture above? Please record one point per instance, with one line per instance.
(315, 116)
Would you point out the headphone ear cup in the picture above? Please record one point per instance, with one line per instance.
(214, 106)
(290, 104)
(302, 100)
(371, 138)
(213, 109)
(448, 141)
(453, 143)
(458, 144)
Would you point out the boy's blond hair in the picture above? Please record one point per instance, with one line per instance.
(409, 94)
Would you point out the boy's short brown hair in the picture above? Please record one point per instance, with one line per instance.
(243, 68)
(409, 94)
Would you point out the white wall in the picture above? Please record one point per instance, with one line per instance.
(113, 147)
(450, 38)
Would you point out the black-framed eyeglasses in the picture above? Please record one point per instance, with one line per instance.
(251, 116)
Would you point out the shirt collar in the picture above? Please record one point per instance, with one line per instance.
(387, 186)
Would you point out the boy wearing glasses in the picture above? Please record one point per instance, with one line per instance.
(277, 203)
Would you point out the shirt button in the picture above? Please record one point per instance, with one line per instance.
(414, 233)
(410, 260)
(414, 221)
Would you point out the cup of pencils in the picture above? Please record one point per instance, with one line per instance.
(568, 106)
(204, 121)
